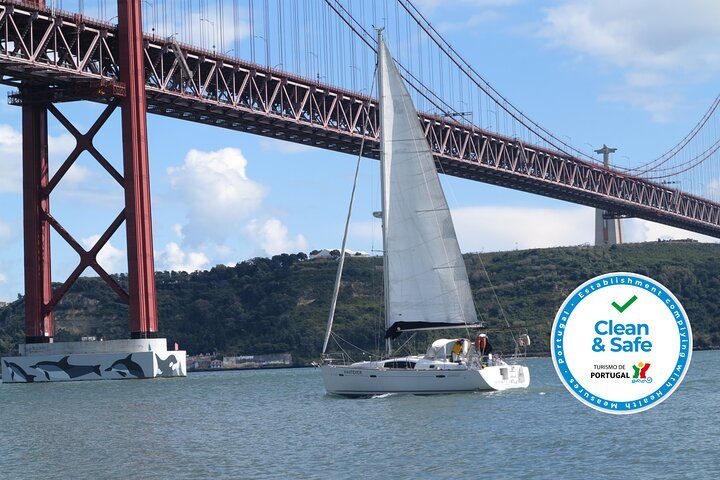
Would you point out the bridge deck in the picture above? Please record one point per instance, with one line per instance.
(68, 57)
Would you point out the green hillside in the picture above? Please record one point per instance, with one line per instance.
(280, 304)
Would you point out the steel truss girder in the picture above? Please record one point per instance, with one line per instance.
(58, 50)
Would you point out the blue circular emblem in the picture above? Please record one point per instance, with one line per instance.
(621, 343)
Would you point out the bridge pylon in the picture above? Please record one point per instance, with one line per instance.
(608, 231)
(129, 96)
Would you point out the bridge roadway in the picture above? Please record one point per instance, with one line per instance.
(65, 57)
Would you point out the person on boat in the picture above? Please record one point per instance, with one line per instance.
(483, 348)
(482, 344)
(457, 350)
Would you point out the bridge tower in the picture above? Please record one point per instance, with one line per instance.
(143, 355)
(40, 300)
(608, 231)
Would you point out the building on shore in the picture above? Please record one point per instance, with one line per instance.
(217, 362)
(258, 361)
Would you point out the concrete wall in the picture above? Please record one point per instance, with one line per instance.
(110, 346)
(94, 366)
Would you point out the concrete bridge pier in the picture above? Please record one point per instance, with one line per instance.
(608, 231)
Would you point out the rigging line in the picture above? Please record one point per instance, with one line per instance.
(497, 299)
(337, 337)
(399, 349)
(341, 263)
(682, 143)
(345, 354)
(711, 151)
(674, 168)
(448, 108)
(705, 154)
(251, 21)
(221, 31)
(498, 102)
(422, 89)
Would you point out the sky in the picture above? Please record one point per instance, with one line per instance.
(635, 75)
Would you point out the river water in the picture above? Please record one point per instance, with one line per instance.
(280, 424)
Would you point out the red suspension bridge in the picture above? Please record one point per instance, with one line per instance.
(293, 71)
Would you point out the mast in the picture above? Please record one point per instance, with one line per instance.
(384, 180)
(341, 263)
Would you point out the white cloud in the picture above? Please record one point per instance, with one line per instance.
(109, 257)
(178, 230)
(659, 104)
(642, 33)
(637, 230)
(366, 229)
(491, 228)
(77, 175)
(11, 151)
(219, 196)
(3, 278)
(496, 228)
(173, 257)
(217, 192)
(646, 79)
(6, 233)
(660, 45)
(61, 145)
(10, 166)
(273, 237)
(469, 14)
(10, 140)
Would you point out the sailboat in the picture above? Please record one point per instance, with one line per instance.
(426, 284)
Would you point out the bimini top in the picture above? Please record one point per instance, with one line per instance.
(441, 347)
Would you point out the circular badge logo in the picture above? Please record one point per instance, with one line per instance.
(621, 343)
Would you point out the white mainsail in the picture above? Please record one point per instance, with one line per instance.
(426, 283)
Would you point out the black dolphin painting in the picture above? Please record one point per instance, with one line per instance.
(63, 366)
(169, 366)
(126, 367)
(17, 371)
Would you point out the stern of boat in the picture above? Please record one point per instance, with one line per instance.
(506, 376)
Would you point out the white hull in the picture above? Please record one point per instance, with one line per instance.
(354, 380)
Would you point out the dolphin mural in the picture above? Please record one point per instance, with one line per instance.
(64, 367)
(17, 371)
(125, 367)
(170, 367)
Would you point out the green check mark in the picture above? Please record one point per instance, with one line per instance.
(621, 309)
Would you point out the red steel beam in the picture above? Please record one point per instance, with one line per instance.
(36, 207)
(143, 309)
(238, 95)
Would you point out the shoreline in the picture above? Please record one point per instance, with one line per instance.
(215, 370)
